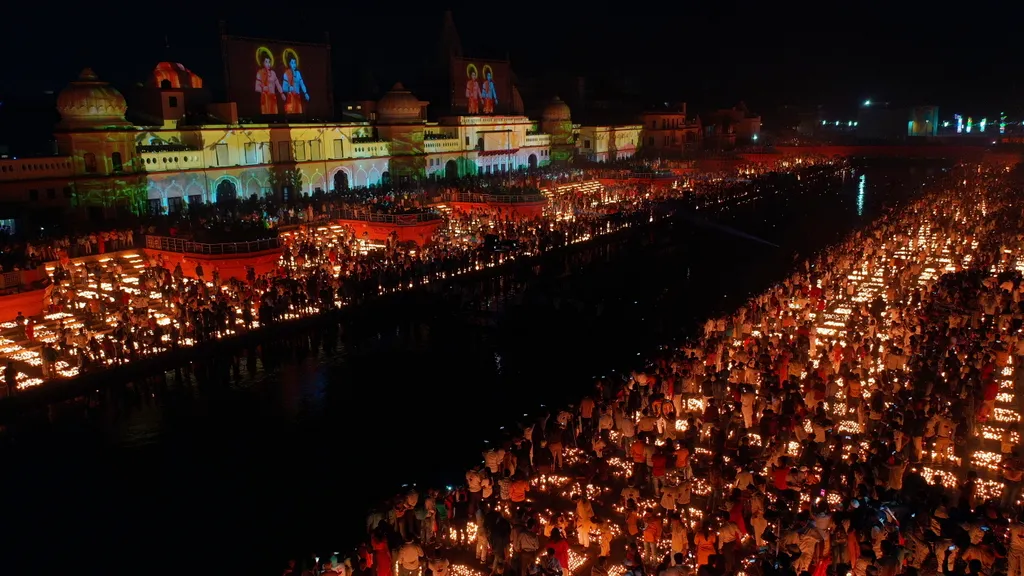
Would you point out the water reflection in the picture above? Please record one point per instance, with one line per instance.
(278, 448)
(860, 194)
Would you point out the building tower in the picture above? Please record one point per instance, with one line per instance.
(556, 120)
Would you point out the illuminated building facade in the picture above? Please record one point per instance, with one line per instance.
(106, 164)
(184, 149)
(726, 128)
(923, 121)
(668, 132)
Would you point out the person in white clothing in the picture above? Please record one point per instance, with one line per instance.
(1015, 548)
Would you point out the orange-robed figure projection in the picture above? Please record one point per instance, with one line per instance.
(267, 84)
(472, 90)
(488, 94)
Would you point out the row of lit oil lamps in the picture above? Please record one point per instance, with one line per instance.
(327, 236)
(867, 289)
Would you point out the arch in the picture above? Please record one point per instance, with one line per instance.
(341, 180)
(318, 181)
(360, 180)
(385, 178)
(226, 189)
(253, 187)
(194, 189)
(451, 169)
(154, 190)
(89, 159)
(116, 163)
(173, 191)
(532, 161)
(373, 178)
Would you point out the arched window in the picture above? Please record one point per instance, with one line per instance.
(115, 161)
(90, 162)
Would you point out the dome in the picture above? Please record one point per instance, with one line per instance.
(399, 106)
(556, 110)
(174, 75)
(88, 102)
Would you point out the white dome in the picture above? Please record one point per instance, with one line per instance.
(88, 102)
(399, 106)
(556, 110)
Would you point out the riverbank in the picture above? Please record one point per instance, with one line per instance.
(286, 455)
(57, 389)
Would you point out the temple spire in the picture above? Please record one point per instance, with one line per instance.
(451, 43)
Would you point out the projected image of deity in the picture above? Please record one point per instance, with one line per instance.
(472, 90)
(488, 95)
(268, 87)
(293, 86)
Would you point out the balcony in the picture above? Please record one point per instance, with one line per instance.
(411, 219)
(172, 161)
(35, 168)
(375, 149)
(538, 140)
(186, 246)
(440, 145)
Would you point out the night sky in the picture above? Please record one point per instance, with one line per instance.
(710, 54)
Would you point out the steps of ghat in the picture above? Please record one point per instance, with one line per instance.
(26, 355)
(832, 326)
(588, 186)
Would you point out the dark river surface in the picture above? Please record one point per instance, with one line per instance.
(232, 468)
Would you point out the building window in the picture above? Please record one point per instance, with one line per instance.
(51, 194)
(284, 152)
(67, 192)
(467, 140)
(250, 153)
(33, 194)
(115, 161)
(654, 123)
(155, 206)
(586, 143)
(316, 150)
(172, 101)
(222, 154)
(264, 153)
(650, 141)
(195, 199)
(90, 162)
(174, 204)
(339, 149)
(300, 151)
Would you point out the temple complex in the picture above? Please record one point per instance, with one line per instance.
(175, 156)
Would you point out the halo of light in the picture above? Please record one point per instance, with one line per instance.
(285, 56)
(259, 52)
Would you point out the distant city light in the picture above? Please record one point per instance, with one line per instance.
(982, 124)
(867, 102)
(959, 123)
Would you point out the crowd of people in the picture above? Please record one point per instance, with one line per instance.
(109, 311)
(858, 418)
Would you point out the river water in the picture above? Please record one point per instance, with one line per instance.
(231, 466)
